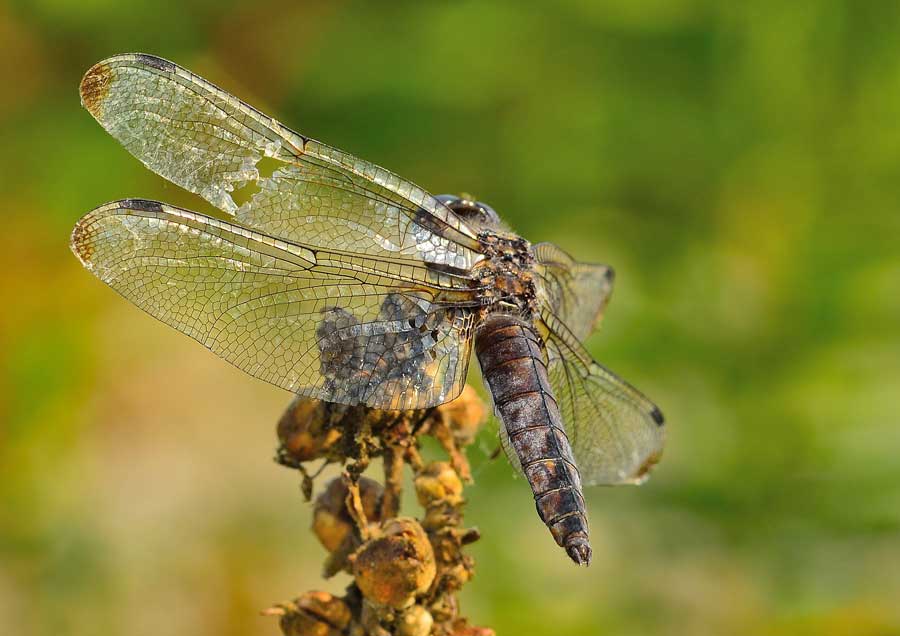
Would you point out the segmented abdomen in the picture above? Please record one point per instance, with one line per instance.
(509, 351)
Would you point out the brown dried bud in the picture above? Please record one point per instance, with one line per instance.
(464, 415)
(305, 430)
(416, 621)
(438, 483)
(315, 614)
(327, 607)
(461, 627)
(332, 522)
(397, 566)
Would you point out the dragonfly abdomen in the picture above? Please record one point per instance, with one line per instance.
(511, 358)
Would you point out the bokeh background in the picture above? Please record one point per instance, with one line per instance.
(739, 165)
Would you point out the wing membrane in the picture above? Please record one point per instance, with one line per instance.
(617, 434)
(577, 293)
(213, 144)
(334, 326)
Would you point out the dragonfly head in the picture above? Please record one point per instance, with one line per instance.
(479, 216)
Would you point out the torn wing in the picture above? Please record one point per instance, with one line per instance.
(269, 177)
(577, 293)
(331, 325)
(617, 434)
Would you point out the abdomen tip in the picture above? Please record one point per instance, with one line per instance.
(579, 550)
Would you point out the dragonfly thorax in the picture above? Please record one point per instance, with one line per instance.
(507, 273)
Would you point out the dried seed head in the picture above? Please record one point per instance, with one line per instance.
(464, 415)
(416, 621)
(327, 607)
(305, 430)
(315, 614)
(397, 566)
(331, 520)
(438, 483)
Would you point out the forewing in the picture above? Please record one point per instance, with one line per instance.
(577, 293)
(333, 326)
(211, 143)
(617, 434)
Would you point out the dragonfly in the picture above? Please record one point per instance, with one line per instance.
(338, 280)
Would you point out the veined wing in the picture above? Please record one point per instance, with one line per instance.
(332, 325)
(617, 434)
(576, 293)
(213, 144)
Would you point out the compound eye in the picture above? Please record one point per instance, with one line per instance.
(487, 212)
(448, 199)
(469, 210)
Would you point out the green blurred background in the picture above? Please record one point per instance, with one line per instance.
(739, 165)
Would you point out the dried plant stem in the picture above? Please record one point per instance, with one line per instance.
(393, 481)
(406, 572)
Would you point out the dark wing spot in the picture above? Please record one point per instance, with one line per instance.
(610, 275)
(141, 205)
(657, 416)
(156, 62)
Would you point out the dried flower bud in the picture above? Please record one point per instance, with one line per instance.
(305, 430)
(461, 627)
(397, 566)
(438, 483)
(332, 522)
(464, 415)
(326, 607)
(314, 614)
(416, 621)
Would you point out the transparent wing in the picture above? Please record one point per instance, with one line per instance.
(508, 450)
(335, 326)
(577, 293)
(269, 177)
(617, 434)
